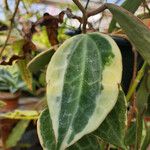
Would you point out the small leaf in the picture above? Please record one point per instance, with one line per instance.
(129, 5)
(47, 138)
(136, 31)
(17, 133)
(40, 61)
(147, 113)
(45, 131)
(112, 130)
(146, 141)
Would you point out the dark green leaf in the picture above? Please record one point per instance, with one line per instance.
(112, 130)
(130, 5)
(136, 31)
(17, 133)
(131, 134)
(146, 141)
(130, 138)
(142, 95)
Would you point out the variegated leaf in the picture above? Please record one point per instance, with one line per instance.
(47, 138)
(113, 128)
(82, 85)
(45, 131)
(40, 61)
(143, 94)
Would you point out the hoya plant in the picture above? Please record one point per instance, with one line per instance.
(87, 107)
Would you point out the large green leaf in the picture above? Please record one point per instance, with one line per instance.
(129, 5)
(17, 46)
(137, 32)
(130, 138)
(82, 85)
(40, 61)
(45, 131)
(112, 130)
(47, 138)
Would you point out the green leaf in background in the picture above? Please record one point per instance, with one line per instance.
(21, 114)
(47, 138)
(112, 129)
(41, 39)
(142, 105)
(40, 61)
(25, 73)
(130, 134)
(18, 45)
(82, 85)
(42, 79)
(137, 32)
(130, 5)
(146, 141)
(130, 137)
(143, 95)
(17, 133)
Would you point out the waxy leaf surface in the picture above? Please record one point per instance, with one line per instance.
(82, 85)
(47, 138)
(113, 128)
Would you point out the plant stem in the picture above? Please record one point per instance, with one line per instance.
(83, 10)
(136, 82)
(96, 11)
(11, 26)
(6, 4)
